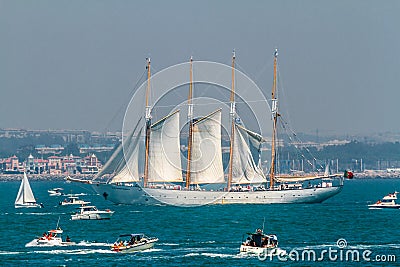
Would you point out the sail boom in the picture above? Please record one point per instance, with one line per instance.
(304, 178)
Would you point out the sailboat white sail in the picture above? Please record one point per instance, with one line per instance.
(25, 197)
(122, 164)
(206, 161)
(128, 171)
(164, 152)
(245, 168)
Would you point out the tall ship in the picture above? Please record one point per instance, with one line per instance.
(203, 180)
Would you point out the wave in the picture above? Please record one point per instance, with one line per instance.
(360, 246)
(39, 213)
(168, 244)
(82, 243)
(93, 244)
(212, 255)
(9, 252)
(72, 251)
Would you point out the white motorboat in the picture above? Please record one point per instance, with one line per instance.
(51, 238)
(129, 243)
(387, 202)
(259, 243)
(73, 200)
(25, 197)
(55, 191)
(91, 213)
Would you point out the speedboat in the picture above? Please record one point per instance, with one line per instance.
(55, 191)
(91, 213)
(51, 238)
(258, 243)
(73, 200)
(129, 243)
(387, 202)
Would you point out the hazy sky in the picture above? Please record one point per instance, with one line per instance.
(73, 64)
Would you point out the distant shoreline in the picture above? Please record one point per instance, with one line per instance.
(41, 177)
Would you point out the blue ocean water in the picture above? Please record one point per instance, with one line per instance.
(202, 236)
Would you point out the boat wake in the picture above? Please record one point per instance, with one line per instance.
(73, 251)
(40, 213)
(82, 243)
(9, 252)
(334, 245)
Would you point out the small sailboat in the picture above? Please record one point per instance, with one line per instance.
(25, 197)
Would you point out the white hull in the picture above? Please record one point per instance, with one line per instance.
(380, 206)
(28, 205)
(135, 248)
(136, 195)
(249, 250)
(93, 216)
(74, 203)
(48, 243)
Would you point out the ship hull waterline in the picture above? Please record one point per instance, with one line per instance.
(131, 195)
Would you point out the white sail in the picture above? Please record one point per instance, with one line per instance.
(206, 160)
(117, 162)
(25, 194)
(244, 168)
(129, 170)
(164, 150)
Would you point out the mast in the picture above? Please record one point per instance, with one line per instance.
(190, 119)
(275, 114)
(148, 126)
(232, 115)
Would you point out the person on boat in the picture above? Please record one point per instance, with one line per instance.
(265, 242)
(274, 241)
(68, 239)
(247, 242)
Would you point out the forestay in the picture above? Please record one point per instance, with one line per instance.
(129, 170)
(117, 162)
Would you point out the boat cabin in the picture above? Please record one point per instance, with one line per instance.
(130, 239)
(259, 239)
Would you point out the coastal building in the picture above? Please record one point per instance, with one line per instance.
(11, 165)
(53, 165)
(91, 165)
